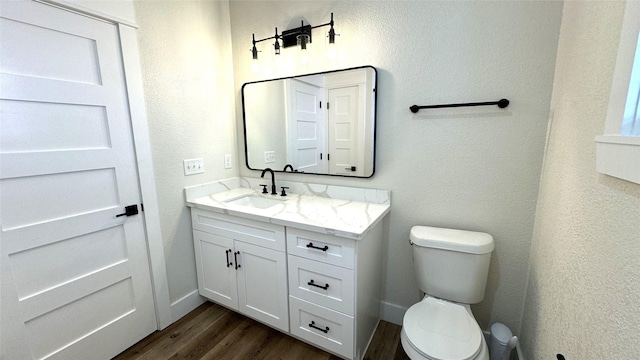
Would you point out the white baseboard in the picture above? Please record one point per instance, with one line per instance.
(186, 304)
(392, 313)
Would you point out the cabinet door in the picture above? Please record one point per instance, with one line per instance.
(216, 268)
(262, 284)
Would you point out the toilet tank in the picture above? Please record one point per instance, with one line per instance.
(451, 264)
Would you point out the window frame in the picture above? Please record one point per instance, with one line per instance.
(616, 154)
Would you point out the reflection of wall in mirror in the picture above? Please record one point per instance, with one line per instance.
(266, 115)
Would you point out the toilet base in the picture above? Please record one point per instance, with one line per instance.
(415, 355)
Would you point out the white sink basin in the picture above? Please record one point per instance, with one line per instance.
(256, 201)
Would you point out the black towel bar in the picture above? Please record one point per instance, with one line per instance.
(502, 103)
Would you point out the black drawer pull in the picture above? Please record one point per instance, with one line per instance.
(316, 285)
(227, 252)
(235, 257)
(313, 325)
(310, 245)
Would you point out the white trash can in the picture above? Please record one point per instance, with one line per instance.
(502, 342)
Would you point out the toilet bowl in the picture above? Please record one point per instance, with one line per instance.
(436, 329)
(451, 269)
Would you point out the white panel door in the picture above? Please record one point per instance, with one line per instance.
(345, 113)
(75, 277)
(306, 129)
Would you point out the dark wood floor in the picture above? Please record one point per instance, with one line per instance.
(214, 332)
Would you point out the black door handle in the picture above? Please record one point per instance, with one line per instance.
(226, 253)
(235, 257)
(129, 211)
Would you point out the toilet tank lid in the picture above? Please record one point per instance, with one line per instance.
(471, 242)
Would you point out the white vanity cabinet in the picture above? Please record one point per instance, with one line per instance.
(242, 265)
(317, 276)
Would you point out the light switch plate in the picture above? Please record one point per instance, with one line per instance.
(227, 161)
(193, 166)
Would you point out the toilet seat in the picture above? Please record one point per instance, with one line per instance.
(442, 330)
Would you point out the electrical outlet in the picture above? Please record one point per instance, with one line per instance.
(269, 157)
(227, 161)
(193, 166)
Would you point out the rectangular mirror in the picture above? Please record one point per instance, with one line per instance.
(321, 123)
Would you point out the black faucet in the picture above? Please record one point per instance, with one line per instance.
(288, 166)
(273, 180)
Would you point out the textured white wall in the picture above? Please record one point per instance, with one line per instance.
(468, 168)
(584, 289)
(185, 51)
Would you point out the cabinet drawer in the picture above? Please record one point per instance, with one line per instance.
(320, 247)
(254, 232)
(323, 327)
(323, 284)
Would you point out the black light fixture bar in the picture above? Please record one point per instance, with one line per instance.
(290, 37)
(276, 36)
(332, 32)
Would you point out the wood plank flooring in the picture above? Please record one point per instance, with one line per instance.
(214, 332)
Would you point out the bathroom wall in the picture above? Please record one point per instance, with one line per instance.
(185, 51)
(583, 289)
(466, 168)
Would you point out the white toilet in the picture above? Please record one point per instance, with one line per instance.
(451, 268)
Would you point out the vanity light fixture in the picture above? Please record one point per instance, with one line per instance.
(276, 44)
(300, 36)
(255, 66)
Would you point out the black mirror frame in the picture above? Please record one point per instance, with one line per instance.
(375, 120)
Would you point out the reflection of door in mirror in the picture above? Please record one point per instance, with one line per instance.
(346, 154)
(305, 126)
(347, 114)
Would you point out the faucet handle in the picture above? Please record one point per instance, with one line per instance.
(284, 193)
(264, 189)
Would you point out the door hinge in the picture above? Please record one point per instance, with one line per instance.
(129, 211)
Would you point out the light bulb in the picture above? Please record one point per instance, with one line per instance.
(255, 66)
(331, 51)
(278, 61)
(303, 40)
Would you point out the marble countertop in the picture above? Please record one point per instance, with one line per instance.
(346, 218)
